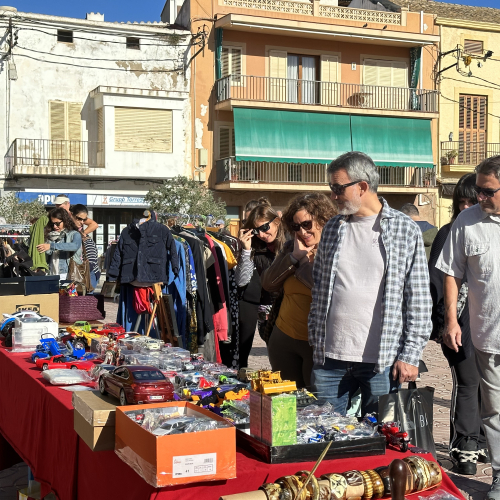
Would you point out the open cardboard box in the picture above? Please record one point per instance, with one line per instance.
(178, 458)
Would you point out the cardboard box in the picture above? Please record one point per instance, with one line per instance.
(178, 458)
(44, 304)
(275, 418)
(94, 419)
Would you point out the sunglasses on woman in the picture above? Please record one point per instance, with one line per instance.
(81, 219)
(339, 189)
(262, 229)
(489, 193)
(57, 224)
(306, 224)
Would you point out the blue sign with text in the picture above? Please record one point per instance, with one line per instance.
(48, 198)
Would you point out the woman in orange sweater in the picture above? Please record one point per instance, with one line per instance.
(291, 274)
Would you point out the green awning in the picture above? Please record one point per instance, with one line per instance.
(290, 136)
(393, 142)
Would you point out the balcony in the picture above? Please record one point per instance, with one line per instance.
(265, 175)
(53, 157)
(263, 89)
(310, 8)
(462, 155)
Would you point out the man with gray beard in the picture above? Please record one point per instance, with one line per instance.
(371, 307)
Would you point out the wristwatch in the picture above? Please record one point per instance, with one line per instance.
(338, 486)
(355, 485)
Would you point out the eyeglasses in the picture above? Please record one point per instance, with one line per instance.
(489, 193)
(339, 189)
(306, 224)
(81, 219)
(57, 223)
(262, 229)
(243, 222)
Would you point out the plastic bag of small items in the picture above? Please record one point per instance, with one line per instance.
(66, 377)
(171, 420)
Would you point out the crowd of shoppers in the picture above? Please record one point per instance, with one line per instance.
(347, 301)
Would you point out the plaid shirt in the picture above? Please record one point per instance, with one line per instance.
(406, 304)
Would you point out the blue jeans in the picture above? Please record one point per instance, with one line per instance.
(336, 381)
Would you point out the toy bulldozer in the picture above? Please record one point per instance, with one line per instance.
(268, 382)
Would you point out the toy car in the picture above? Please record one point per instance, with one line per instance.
(394, 436)
(109, 329)
(136, 384)
(83, 325)
(151, 344)
(61, 361)
(9, 319)
(50, 347)
(173, 426)
(78, 333)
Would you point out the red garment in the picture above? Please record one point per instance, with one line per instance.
(220, 317)
(36, 418)
(142, 299)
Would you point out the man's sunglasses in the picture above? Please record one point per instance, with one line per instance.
(489, 193)
(339, 189)
(262, 229)
(57, 223)
(306, 224)
(81, 219)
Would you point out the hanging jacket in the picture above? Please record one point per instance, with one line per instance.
(37, 237)
(144, 254)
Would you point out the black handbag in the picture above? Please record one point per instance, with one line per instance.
(412, 410)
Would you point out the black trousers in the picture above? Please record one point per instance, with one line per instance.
(248, 325)
(465, 415)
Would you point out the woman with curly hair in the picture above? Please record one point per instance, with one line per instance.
(63, 243)
(291, 274)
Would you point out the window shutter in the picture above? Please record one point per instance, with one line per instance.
(236, 65)
(225, 62)
(100, 129)
(278, 75)
(233, 143)
(146, 130)
(74, 134)
(473, 46)
(384, 74)
(329, 90)
(224, 141)
(57, 130)
(472, 132)
(399, 75)
(370, 72)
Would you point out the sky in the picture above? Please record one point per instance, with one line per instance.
(132, 10)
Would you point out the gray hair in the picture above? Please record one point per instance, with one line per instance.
(490, 166)
(410, 209)
(359, 167)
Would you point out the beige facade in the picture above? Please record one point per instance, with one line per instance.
(469, 100)
(356, 61)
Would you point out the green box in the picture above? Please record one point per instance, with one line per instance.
(279, 419)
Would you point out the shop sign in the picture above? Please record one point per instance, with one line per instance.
(117, 200)
(48, 198)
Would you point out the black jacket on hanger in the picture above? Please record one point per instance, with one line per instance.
(143, 253)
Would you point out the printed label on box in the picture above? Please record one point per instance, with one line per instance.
(195, 465)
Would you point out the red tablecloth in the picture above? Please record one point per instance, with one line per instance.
(37, 420)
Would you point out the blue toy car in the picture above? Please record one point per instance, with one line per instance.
(50, 347)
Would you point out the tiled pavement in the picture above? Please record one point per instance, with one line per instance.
(439, 377)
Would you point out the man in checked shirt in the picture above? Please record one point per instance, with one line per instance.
(371, 307)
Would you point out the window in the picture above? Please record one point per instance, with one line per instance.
(65, 36)
(65, 130)
(385, 73)
(231, 63)
(147, 130)
(473, 46)
(472, 129)
(302, 73)
(133, 43)
(226, 142)
(382, 73)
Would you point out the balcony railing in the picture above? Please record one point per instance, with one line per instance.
(286, 90)
(34, 153)
(306, 8)
(230, 170)
(467, 153)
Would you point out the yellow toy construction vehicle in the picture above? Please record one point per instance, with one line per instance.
(268, 382)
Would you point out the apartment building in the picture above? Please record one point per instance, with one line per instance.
(469, 102)
(96, 110)
(284, 86)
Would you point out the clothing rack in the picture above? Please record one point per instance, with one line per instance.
(14, 230)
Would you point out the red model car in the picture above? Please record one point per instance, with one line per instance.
(62, 361)
(136, 384)
(109, 329)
